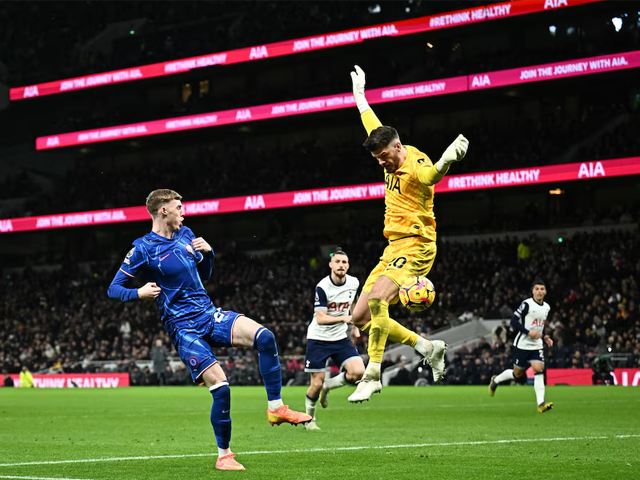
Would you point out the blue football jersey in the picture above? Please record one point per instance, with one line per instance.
(176, 268)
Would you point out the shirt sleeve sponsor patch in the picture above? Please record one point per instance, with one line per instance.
(127, 258)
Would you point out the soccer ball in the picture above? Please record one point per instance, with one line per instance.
(417, 293)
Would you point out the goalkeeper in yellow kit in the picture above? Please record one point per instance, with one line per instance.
(410, 227)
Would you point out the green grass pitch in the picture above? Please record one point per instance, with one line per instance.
(404, 432)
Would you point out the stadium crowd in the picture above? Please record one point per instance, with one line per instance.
(71, 326)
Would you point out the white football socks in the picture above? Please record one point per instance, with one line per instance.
(335, 382)
(504, 376)
(275, 404)
(538, 386)
(310, 404)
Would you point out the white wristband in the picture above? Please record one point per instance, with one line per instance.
(361, 102)
(442, 166)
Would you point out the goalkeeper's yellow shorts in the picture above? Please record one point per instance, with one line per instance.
(403, 258)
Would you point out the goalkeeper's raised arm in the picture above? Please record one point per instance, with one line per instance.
(369, 119)
(428, 176)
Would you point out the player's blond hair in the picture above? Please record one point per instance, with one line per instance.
(160, 197)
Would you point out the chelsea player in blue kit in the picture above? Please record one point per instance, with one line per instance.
(176, 262)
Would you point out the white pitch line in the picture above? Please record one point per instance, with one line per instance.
(316, 450)
(41, 478)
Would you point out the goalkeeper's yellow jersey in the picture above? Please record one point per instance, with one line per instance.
(408, 192)
(408, 201)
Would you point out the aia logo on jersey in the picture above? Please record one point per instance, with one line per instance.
(339, 306)
(537, 322)
(392, 183)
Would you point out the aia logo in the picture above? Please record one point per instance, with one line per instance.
(254, 202)
(258, 52)
(591, 169)
(31, 92)
(555, 4)
(480, 81)
(339, 306)
(244, 114)
(392, 183)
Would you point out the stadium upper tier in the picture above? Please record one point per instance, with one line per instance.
(399, 28)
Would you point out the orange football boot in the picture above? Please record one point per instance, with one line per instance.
(285, 415)
(228, 462)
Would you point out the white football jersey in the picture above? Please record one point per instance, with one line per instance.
(532, 316)
(336, 300)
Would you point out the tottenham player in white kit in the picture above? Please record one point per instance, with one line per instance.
(529, 321)
(327, 335)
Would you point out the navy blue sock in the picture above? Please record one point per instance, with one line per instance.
(221, 414)
(269, 362)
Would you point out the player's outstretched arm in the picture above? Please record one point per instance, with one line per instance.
(369, 119)
(454, 153)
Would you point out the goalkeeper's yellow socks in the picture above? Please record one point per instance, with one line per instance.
(378, 331)
(401, 334)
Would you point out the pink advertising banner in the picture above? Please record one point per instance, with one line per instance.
(586, 66)
(77, 380)
(319, 196)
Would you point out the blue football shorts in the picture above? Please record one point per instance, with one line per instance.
(196, 340)
(319, 351)
(522, 358)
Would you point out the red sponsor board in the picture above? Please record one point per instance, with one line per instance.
(77, 380)
(626, 377)
(290, 47)
(326, 103)
(350, 193)
(569, 376)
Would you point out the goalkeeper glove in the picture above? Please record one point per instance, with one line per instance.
(454, 153)
(358, 81)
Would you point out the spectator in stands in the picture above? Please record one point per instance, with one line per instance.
(403, 377)
(7, 380)
(499, 333)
